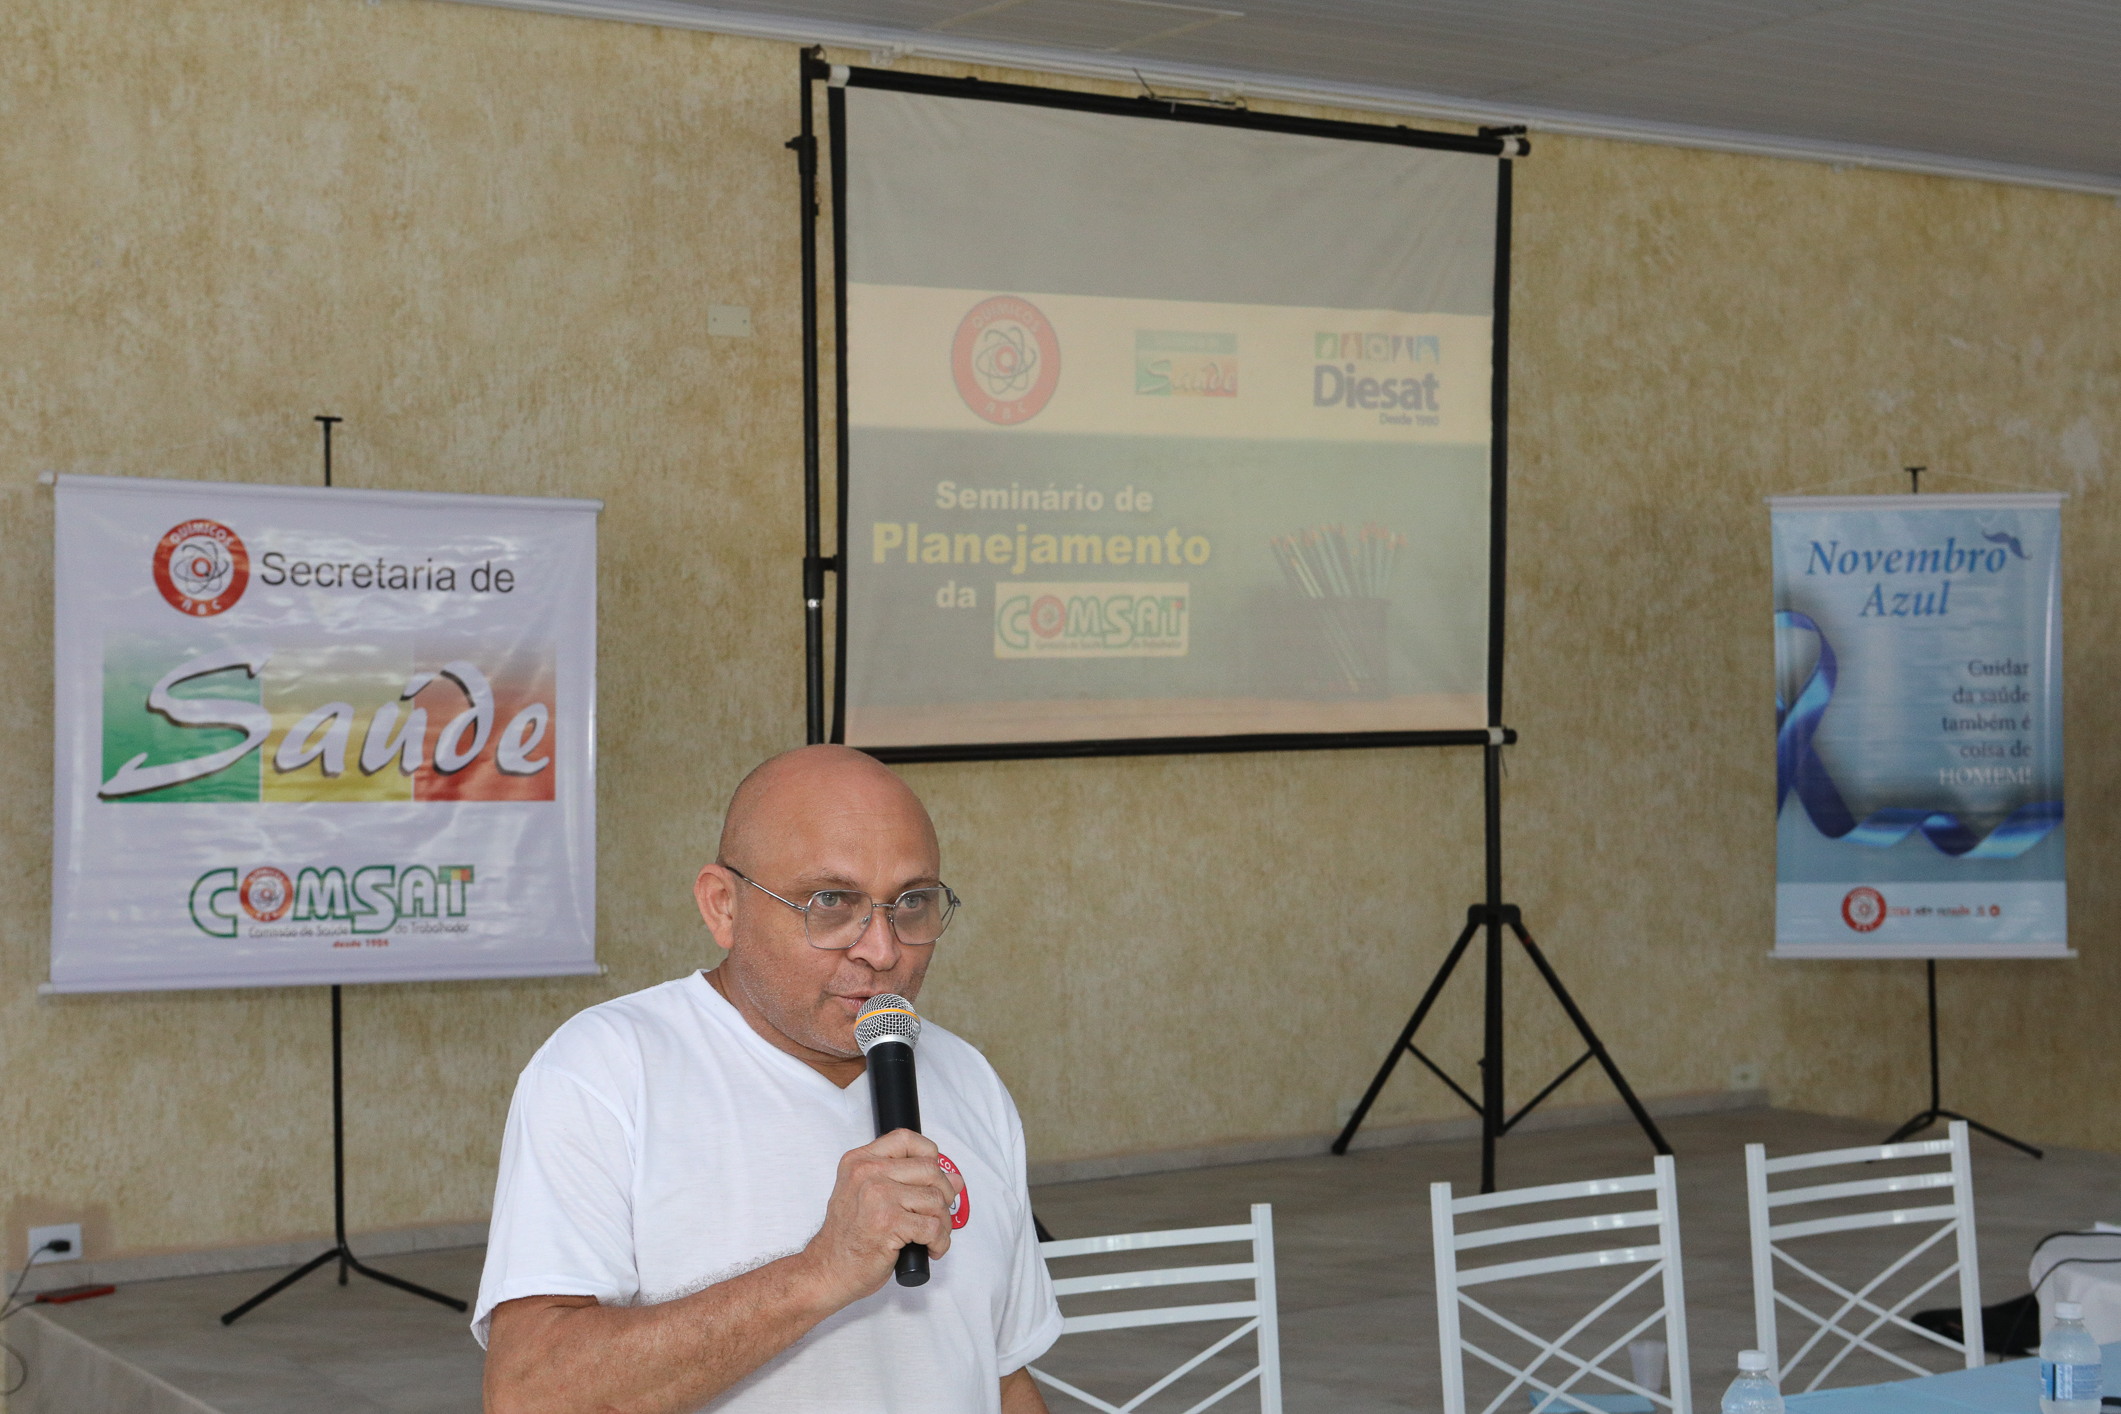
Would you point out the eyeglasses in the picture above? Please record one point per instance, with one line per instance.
(837, 918)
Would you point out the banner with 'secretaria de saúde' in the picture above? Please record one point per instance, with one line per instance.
(320, 736)
(1918, 707)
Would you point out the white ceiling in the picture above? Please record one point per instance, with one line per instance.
(2021, 90)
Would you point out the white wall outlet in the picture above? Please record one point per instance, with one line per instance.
(729, 321)
(69, 1233)
(1345, 1111)
(1745, 1076)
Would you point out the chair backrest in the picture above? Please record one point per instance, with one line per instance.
(1553, 1371)
(1255, 1315)
(1774, 1225)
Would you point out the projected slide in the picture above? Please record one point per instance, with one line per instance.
(1160, 429)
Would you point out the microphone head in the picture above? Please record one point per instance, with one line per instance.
(886, 1017)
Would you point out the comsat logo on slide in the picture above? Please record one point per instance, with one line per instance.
(201, 567)
(1006, 360)
(1090, 620)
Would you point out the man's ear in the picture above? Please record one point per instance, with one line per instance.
(715, 892)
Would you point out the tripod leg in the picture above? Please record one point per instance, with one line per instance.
(1590, 1037)
(1428, 999)
(281, 1285)
(1937, 1111)
(1996, 1134)
(403, 1285)
(1914, 1126)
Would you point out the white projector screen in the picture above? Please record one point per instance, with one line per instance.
(1161, 432)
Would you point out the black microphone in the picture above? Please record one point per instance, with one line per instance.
(886, 1031)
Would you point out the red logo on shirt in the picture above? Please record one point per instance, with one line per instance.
(960, 1206)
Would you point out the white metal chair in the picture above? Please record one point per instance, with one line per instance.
(1257, 1314)
(1771, 1229)
(1658, 1259)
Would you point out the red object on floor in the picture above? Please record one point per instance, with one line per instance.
(73, 1293)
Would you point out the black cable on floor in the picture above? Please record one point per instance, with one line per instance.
(8, 1308)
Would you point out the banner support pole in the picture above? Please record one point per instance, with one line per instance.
(1937, 1111)
(347, 1260)
(339, 1250)
(804, 145)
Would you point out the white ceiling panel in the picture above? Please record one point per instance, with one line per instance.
(2026, 91)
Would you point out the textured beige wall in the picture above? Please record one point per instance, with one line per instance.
(489, 240)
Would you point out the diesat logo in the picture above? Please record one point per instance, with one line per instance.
(1006, 359)
(1397, 397)
(329, 902)
(201, 567)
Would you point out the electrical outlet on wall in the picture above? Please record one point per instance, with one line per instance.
(1745, 1075)
(69, 1233)
(1345, 1111)
(729, 321)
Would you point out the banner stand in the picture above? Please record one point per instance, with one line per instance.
(339, 1249)
(1918, 735)
(1937, 1111)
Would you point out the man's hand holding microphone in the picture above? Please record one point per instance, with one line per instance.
(891, 1204)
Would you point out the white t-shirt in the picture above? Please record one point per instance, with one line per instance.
(658, 1145)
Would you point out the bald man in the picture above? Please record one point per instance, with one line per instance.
(692, 1212)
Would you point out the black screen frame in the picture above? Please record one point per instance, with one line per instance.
(838, 79)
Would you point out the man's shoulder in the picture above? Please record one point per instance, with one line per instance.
(949, 1048)
(619, 1032)
(949, 1057)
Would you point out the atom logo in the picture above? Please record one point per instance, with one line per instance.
(1006, 360)
(201, 567)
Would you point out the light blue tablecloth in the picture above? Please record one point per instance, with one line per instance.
(2012, 1387)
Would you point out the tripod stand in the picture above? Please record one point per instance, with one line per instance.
(1493, 916)
(1937, 1111)
(347, 1260)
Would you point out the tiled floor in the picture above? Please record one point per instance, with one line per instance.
(1357, 1296)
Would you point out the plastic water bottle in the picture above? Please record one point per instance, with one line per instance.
(1754, 1392)
(2069, 1364)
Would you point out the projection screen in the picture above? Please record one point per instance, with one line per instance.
(1157, 432)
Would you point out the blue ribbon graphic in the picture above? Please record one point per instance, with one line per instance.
(1798, 768)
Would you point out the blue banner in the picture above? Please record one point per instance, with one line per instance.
(1918, 726)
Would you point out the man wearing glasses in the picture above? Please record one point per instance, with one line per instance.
(692, 1211)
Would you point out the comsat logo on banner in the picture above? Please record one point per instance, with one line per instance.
(263, 902)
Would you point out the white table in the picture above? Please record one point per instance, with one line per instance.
(2087, 1270)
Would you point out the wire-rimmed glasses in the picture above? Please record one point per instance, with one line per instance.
(835, 919)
